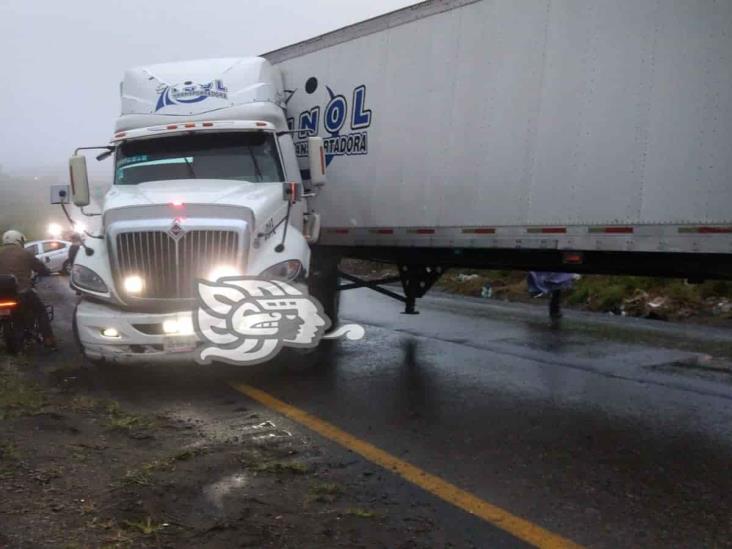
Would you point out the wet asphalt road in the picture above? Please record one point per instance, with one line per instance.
(606, 431)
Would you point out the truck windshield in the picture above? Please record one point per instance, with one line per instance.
(239, 156)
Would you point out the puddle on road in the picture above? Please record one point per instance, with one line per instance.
(217, 491)
(701, 366)
(576, 346)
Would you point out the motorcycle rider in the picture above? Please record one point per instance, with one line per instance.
(17, 261)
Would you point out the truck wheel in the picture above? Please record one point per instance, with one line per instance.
(75, 331)
(96, 362)
(307, 360)
(331, 300)
(10, 337)
(323, 283)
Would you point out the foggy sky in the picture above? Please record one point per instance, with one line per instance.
(62, 61)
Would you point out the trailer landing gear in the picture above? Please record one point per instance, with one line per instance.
(416, 281)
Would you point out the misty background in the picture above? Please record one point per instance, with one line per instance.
(62, 64)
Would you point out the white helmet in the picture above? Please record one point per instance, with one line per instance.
(13, 237)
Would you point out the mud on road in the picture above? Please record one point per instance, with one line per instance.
(82, 470)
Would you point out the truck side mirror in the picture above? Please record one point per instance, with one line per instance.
(316, 161)
(79, 180)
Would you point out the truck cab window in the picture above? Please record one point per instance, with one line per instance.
(238, 156)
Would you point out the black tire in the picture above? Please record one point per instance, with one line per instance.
(98, 363)
(75, 331)
(323, 283)
(10, 337)
(308, 360)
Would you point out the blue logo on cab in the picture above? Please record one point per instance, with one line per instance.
(190, 92)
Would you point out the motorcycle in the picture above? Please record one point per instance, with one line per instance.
(18, 325)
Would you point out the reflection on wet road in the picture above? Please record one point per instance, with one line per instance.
(589, 436)
(609, 437)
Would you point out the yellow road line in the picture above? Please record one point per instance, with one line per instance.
(516, 526)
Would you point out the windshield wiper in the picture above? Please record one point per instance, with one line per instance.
(190, 167)
(256, 164)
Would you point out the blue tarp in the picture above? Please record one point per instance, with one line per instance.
(545, 283)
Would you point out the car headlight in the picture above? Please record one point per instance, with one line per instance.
(287, 270)
(86, 279)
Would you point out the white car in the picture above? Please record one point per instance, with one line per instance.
(53, 253)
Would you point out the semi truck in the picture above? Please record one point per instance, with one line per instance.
(552, 135)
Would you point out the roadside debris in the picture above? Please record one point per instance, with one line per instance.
(487, 291)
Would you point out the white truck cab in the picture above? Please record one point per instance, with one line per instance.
(206, 184)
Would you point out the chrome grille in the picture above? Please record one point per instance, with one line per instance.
(170, 267)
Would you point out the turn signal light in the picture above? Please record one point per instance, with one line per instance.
(8, 304)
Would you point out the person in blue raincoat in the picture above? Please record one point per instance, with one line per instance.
(552, 284)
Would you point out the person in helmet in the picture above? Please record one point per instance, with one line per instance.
(17, 261)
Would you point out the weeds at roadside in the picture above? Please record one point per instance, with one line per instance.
(119, 539)
(8, 452)
(136, 477)
(186, 455)
(324, 492)
(88, 507)
(119, 420)
(283, 467)
(361, 513)
(100, 524)
(168, 463)
(146, 527)
(17, 396)
(143, 475)
(9, 459)
(47, 474)
(79, 456)
(84, 403)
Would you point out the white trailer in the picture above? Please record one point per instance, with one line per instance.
(583, 136)
(550, 134)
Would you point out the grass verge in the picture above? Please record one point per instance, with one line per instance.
(18, 397)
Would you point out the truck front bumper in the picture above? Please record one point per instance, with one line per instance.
(136, 337)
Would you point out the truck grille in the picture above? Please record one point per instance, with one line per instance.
(169, 267)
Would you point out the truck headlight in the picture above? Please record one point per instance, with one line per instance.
(223, 271)
(86, 279)
(133, 284)
(287, 270)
